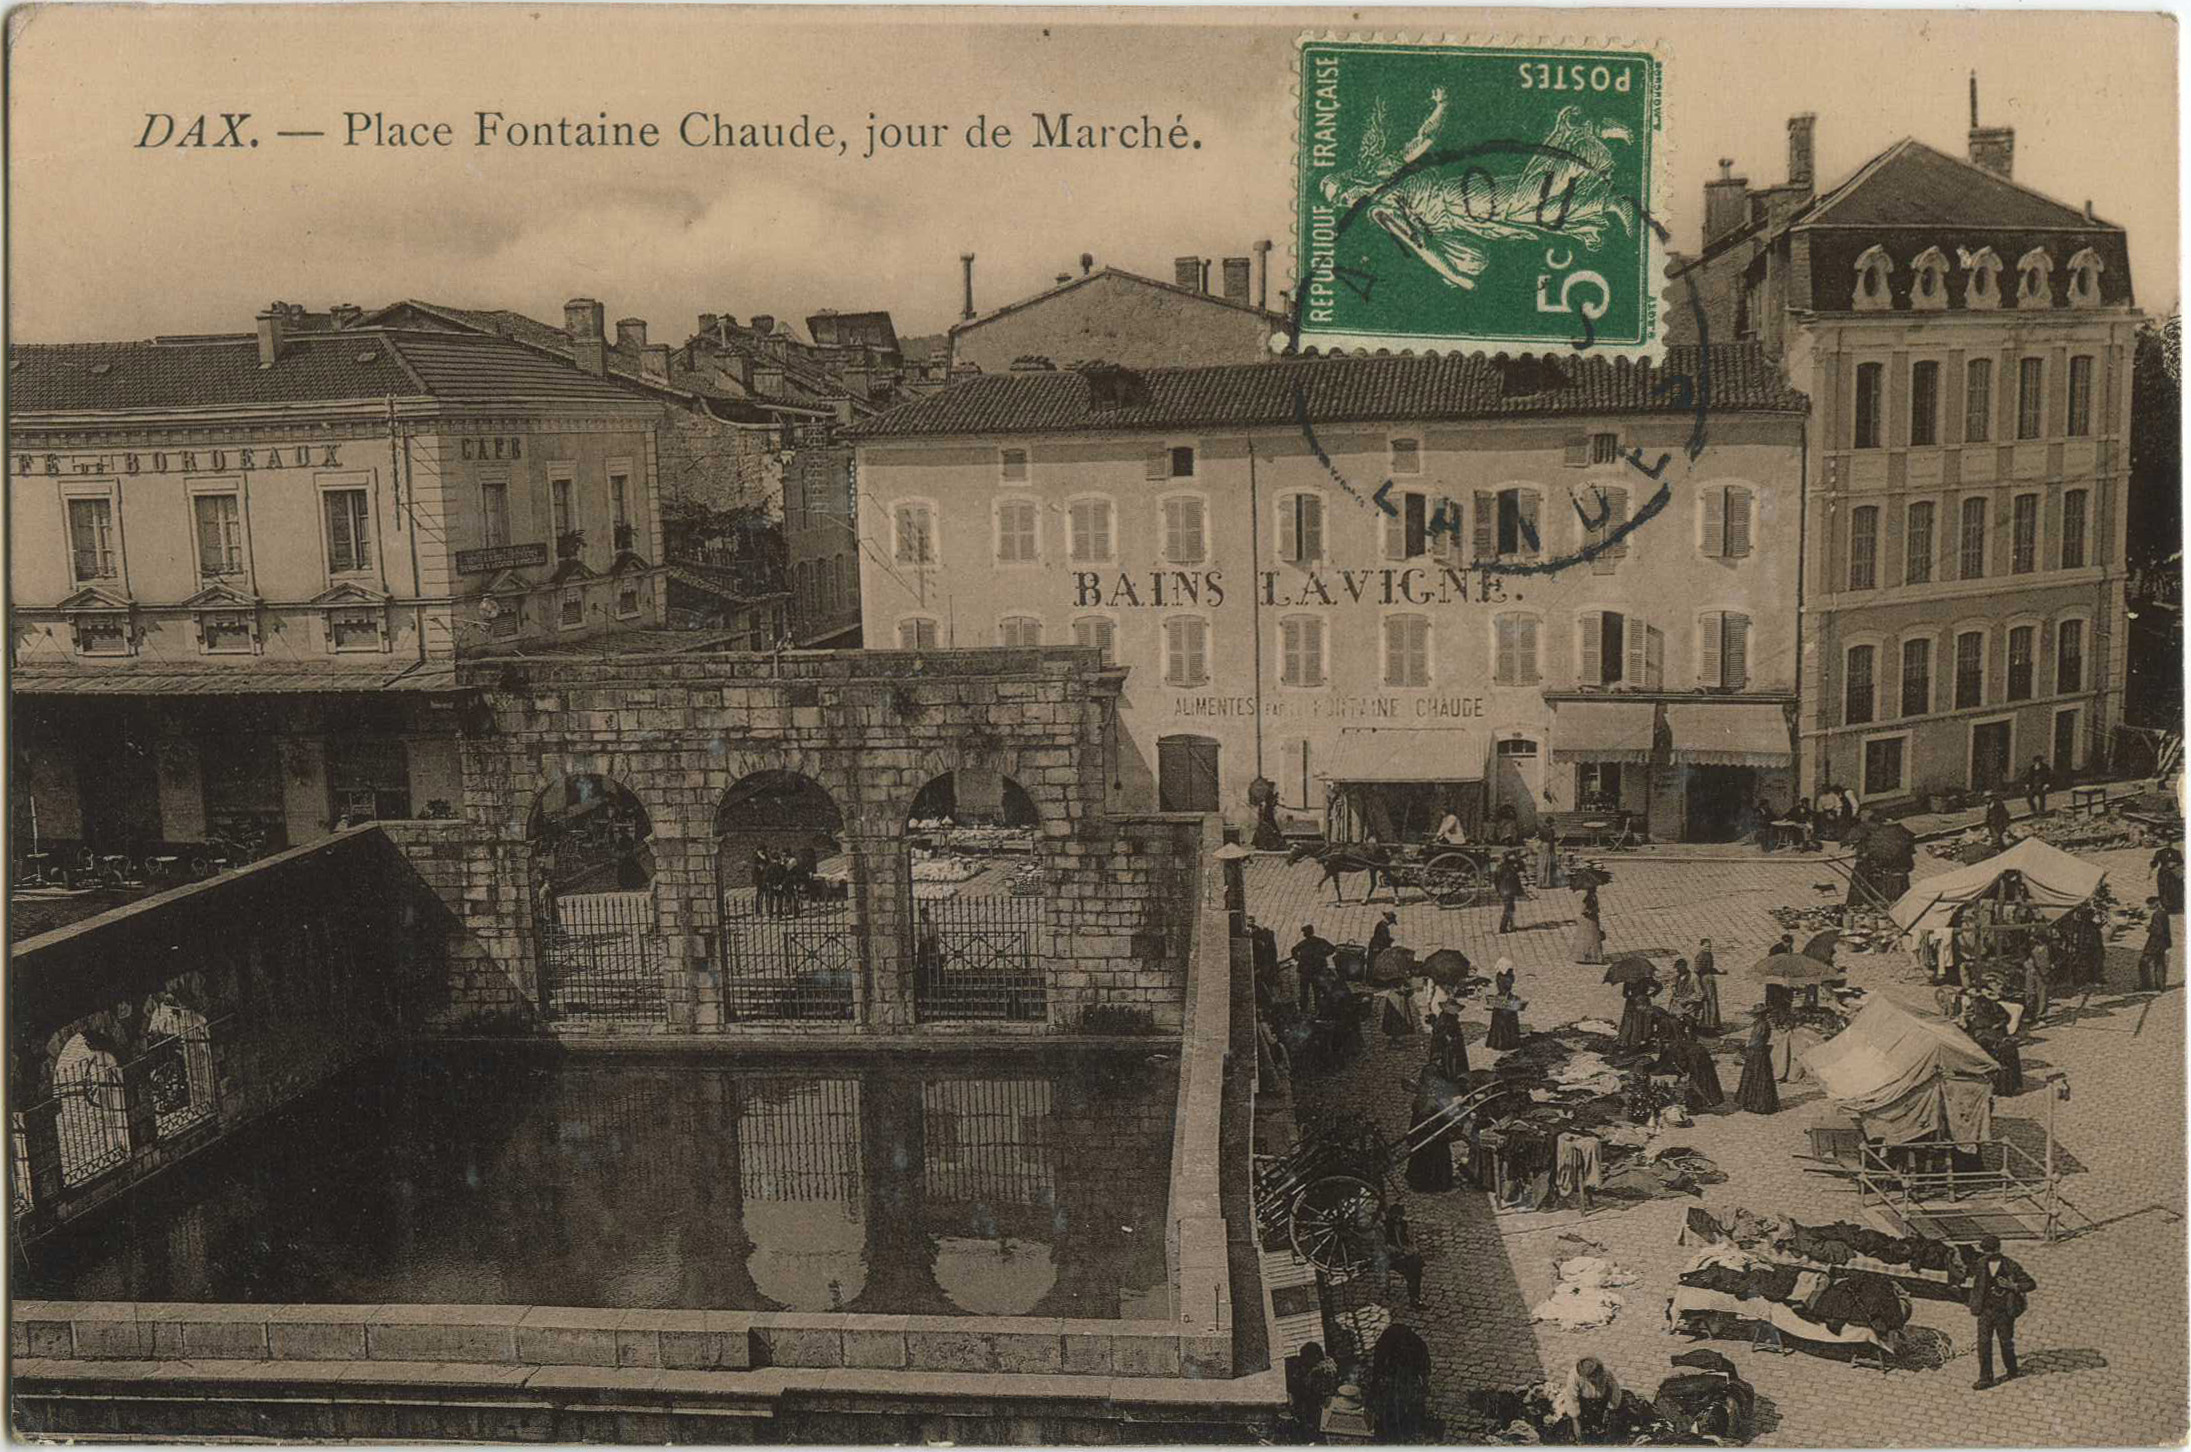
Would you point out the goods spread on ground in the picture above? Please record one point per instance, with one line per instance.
(1862, 929)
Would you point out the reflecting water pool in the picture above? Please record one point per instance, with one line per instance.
(516, 1177)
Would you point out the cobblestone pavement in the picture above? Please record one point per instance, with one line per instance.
(2103, 1346)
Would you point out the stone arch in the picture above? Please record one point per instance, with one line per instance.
(975, 880)
(788, 943)
(92, 1121)
(596, 922)
(181, 1078)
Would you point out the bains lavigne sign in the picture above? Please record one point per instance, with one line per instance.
(1290, 588)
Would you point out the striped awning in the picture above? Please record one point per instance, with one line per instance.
(1404, 755)
(1603, 731)
(1730, 733)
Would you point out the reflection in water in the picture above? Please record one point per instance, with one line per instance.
(518, 1178)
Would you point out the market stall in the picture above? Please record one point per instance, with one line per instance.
(1987, 915)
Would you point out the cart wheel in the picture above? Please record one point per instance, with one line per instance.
(1453, 880)
(1337, 1223)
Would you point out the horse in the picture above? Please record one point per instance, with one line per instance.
(1339, 859)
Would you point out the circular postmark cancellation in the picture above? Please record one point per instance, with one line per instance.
(1567, 193)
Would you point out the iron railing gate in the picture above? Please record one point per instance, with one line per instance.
(782, 967)
(978, 958)
(599, 960)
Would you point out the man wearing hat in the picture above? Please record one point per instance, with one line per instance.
(1997, 1292)
(1380, 937)
(2159, 939)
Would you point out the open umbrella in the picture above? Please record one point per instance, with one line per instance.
(1821, 947)
(1393, 965)
(1794, 968)
(1447, 965)
(1631, 969)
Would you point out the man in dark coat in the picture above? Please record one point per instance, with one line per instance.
(1997, 1292)
(1380, 938)
(2038, 781)
(2160, 938)
(1510, 890)
(1997, 822)
(1311, 962)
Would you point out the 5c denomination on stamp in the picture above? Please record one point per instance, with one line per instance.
(1458, 197)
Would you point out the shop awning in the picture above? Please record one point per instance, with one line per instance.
(1603, 731)
(1730, 733)
(1402, 755)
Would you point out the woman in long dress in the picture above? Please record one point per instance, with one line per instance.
(1430, 1167)
(1548, 854)
(1757, 1094)
(1506, 1021)
(1708, 976)
(1686, 997)
(1635, 1018)
(1705, 1091)
(1589, 944)
(1448, 1049)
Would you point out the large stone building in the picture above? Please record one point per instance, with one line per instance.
(241, 567)
(1124, 318)
(1966, 344)
(1424, 598)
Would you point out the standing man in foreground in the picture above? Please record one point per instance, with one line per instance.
(1997, 1293)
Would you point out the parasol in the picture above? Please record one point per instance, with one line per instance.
(1822, 946)
(1794, 968)
(1393, 965)
(1447, 965)
(1632, 969)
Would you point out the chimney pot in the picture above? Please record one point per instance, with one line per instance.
(346, 315)
(2089, 214)
(1801, 168)
(966, 264)
(1262, 273)
(1726, 204)
(1726, 167)
(765, 324)
(631, 333)
(1238, 279)
(1087, 263)
(1187, 273)
(272, 325)
(708, 324)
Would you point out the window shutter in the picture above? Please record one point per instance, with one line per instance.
(1394, 653)
(1396, 529)
(1446, 529)
(1503, 634)
(1709, 634)
(1525, 506)
(1578, 450)
(1616, 515)
(1715, 523)
(1735, 668)
(1160, 464)
(1486, 542)
(1654, 657)
(1289, 529)
(1738, 522)
(1591, 625)
(1634, 639)
(210, 553)
(1526, 647)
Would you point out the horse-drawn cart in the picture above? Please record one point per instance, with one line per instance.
(1451, 877)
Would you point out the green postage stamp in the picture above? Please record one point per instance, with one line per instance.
(1468, 197)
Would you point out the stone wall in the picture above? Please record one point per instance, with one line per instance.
(871, 729)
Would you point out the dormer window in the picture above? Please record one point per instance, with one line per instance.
(1983, 268)
(2084, 279)
(2035, 279)
(1872, 271)
(1929, 288)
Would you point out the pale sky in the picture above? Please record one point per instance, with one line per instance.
(112, 241)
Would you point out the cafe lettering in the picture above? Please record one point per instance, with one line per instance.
(184, 461)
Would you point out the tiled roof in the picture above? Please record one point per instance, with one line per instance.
(1912, 185)
(230, 678)
(1743, 378)
(1113, 274)
(312, 368)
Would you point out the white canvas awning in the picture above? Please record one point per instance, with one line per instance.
(1401, 755)
(1604, 731)
(2054, 880)
(1730, 733)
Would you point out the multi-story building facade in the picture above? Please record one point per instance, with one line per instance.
(241, 567)
(1121, 317)
(1426, 597)
(1966, 344)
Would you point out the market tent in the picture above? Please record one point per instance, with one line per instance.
(2057, 882)
(1907, 1076)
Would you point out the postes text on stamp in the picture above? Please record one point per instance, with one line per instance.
(1462, 197)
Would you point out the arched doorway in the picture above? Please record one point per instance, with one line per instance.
(92, 1122)
(978, 892)
(593, 902)
(788, 947)
(181, 1065)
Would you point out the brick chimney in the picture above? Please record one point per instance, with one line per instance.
(764, 324)
(631, 334)
(1994, 148)
(1802, 169)
(966, 263)
(1726, 202)
(346, 315)
(582, 320)
(273, 327)
(1187, 273)
(1239, 278)
(709, 322)
(654, 362)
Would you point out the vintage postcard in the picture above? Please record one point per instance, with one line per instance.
(1109, 726)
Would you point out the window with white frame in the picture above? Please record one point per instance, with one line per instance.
(1970, 669)
(1186, 651)
(2030, 398)
(1514, 653)
(1983, 270)
(1088, 531)
(1022, 631)
(1873, 292)
(2023, 534)
(2080, 396)
(1917, 542)
(1173, 462)
(1301, 528)
(1301, 650)
(1884, 769)
(1864, 547)
(2023, 653)
(1016, 531)
(1859, 688)
(916, 633)
(1978, 400)
(1407, 457)
(1924, 402)
(2068, 657)
(91, 540)
(1407, 650)
(1723, 649)
(349, 531)
(494, 510)
(219, 524)
(1971, 553)
(1184, 539)
(1407, 529)
(620, 502)
(1506, 524)
(1099, 631)
(1726, 521)
(2074, 502)
(1871, 384)
(1601, 646)
(914, 526)
(1917, 675)
(1012, 466)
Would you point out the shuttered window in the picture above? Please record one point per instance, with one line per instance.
(1186, 774)
(220, 534)
(1727, 521)
(1183, 535)
(1301, 528)
(1506, 523)
(1407, 650)
(1023, 631)
(1088, 527)
(1301, 651)
(916, 543)
(1016, 531)
(1186, 651)
(349, 531)
(91, 538)
(1516, 653)
(1099, 631)
(1723, 649)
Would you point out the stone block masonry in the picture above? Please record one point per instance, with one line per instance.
(868, 728)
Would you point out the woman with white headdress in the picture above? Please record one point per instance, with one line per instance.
(1506, 1019)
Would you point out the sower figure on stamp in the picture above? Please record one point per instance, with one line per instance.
(1997, 1292)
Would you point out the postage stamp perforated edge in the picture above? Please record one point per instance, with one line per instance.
(1651, 232)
